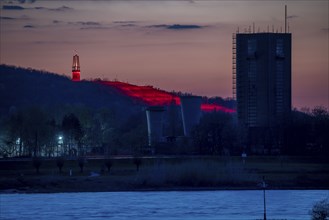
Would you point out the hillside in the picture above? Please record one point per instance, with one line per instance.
(20, 88)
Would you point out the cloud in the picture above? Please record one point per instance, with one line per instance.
(89, 23)
(128, 25)
(63, 8)
(124, 22)
(29, 26)
(12, 7)
(25, 1)
(94, 28)
(177, 26)
(24, 17)
(325, 29)
(84, 23)
(17, 7)
(7, 18)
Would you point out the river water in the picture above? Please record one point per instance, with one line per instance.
(175, 205)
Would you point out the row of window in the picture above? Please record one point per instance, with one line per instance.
(252, 47)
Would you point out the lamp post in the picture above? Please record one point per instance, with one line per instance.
(60, 143)
(264, 186)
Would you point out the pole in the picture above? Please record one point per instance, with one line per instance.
(264, 186)
(264, 205)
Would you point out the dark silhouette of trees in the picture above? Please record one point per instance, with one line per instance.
(138, 162)
(60, 163)
(36, 161)
(82, 162)
(215, 133)
(73, 133)
(109, 164)
(307, 133)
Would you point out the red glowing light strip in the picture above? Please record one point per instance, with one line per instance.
(215, 107)
(153, 97)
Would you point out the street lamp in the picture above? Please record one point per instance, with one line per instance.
(59, 143)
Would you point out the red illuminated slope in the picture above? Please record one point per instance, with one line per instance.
(147, 94)
(154, 97)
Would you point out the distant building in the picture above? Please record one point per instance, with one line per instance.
(76, 68)
(262, 80)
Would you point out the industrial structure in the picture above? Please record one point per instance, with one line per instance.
(154, 117)
(76, 68)
(191, 112)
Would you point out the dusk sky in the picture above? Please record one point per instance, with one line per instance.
(173, 45)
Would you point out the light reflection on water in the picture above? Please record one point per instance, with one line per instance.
(281, 204)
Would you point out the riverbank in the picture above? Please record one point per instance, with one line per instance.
(164, 174)
(50, 184)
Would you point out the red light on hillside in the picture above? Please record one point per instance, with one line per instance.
(215, 107)
(156, 97)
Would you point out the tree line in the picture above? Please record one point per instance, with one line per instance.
(72, 131)
(78, 131)
(305, 134)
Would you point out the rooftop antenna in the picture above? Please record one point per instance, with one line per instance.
(285, 19)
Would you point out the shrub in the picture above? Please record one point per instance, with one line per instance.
(320, 210)
(108, 164)
(36, 161)
(138, 162)
(81, 162)
(60, 163)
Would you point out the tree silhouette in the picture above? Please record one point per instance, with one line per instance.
(60, 163)
(81, 162)
(73, 131)
(36, 161)
(109, 164)
(138, 162)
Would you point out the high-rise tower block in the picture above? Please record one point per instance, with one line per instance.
(263, 78)
(76, 68)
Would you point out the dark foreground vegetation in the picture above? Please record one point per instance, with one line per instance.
(163, 173)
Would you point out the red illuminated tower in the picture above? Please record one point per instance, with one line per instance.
(76, 68)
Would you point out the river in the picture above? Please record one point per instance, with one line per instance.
(174, 205)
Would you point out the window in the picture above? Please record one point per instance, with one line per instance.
(252, 46)
(279, 48)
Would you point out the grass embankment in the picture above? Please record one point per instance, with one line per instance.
(170, 173)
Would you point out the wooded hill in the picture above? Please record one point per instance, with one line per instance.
(21, 88)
